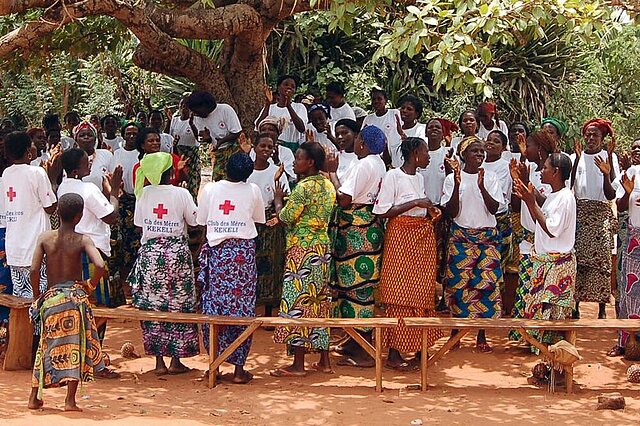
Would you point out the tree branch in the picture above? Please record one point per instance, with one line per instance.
(18, 6)
(26, 36)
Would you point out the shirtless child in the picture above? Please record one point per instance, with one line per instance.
(63, 312)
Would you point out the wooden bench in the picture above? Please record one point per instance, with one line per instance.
(252, 324)
(465, 325)
(18, 355)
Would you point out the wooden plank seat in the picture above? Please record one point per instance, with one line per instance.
(18, 355)
(464, 326)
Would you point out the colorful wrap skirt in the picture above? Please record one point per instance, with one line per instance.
(162, 280)
(192, 153)
(269, 261)
(629, 291)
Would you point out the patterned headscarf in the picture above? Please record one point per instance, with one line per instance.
(605, 126)
(465, 143)
(488, 107)
(152, 166)
(560, 125)
(319, 106)
(239, 166)
(278, 122)
(374, 139)
(448, 127)
(84, 125)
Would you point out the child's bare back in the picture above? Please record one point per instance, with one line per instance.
(63, 252)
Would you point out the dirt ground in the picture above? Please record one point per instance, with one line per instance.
(465, 387)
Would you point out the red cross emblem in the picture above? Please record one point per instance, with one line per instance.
(160, 211)
(11, 194)
(227, 207)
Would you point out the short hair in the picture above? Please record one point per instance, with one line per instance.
(50, 120)
(378, 90)
(350, 124)
(16, 145)
(523, 124)
(69, 206)
(71, 159)
(315, 152)
(562, 162)
(335, 87)
(71, 114)
(135, 124)
(469, 111)
(264, 135)
(410, 145)
(106, 117)
(503, 138)
(201, 98)
(414, 101)
(239, 166)
(142, 136)
(155, 111)
(284, 77)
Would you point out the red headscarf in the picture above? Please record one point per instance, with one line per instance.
(605, 127)
(488, 107)
(448, 127)
(32, 132)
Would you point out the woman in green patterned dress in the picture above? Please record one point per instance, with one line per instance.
(305, 289)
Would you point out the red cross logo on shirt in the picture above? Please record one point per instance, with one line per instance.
(227, 207)
(11, 194)
(160, 211)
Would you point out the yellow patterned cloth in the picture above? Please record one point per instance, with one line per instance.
(69, 349)
(408, 279)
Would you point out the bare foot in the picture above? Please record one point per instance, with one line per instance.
(71, 406)
(161, 371)
(178, 369)
(106, 373)
(35, 404)
(243, 378)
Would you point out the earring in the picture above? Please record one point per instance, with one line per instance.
(30, 156)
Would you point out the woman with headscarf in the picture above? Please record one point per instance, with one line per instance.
(468, 124)
(487, 120)
(535, 149)
(148, 142)
(305, 292)
(472, 197)
(185, 137)
(162, 277)
(230, 208)
(358, 242)
(319, 128)
(408, 275)
(594, 170)
(556, 127)
(281, 154)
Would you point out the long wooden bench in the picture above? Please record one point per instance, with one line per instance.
(465, 325)
(18, 354)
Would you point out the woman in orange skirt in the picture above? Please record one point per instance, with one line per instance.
(408, 276)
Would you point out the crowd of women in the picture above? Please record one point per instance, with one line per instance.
(331, 212)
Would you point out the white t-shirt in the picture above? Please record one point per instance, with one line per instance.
(346, 164)
(42, 159)
(322, 139)
(289, 133)
(589, 179)
(434, 174)
(501, 169)
(3, 217)
(115, 143)
(221, 122)
(265, 180)
(388, 124)
(164, 211)
(560, 211)
(473, 213)
(26, 192)
(230, 210)
(417, 131)
(634, 210)
(363, 184)
(501, 125)
(399, 188)
(166, 143)
(99, 166)
(126, 159)
(337, 114)
(182, 129)
(286, 157)
(535, 177)
(66, 143)
(96, 206)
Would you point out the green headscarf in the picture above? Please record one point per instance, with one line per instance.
(558, 124)
(152, 166)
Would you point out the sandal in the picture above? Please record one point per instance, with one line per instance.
(403, 366)
(105, 373)
(350, 362)
(484, 348)
(615, 351)
(281, 372)
(327, 370)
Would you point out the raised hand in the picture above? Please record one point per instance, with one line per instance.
(628, 183)
(521, 140)
(577, 148)
(278, 191)
(611, 146)
(454, 165)
(434, 213)
(603, 165)
(399, 128)
(176, 139)
(168, 112)
(182, 163)
(279, 173)
(244, 143)
(205, 134)
(331, 162)
(268, 93)
(624, 160)
(481, 178)
(525, 193)
(309, 136)
(514, 171)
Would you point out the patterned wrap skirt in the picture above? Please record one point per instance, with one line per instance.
(108, 292)
(192, 153)
(305, 294)
(269, 261)
(505, 240)
(228, 277)
(357, 254)
(6, 285)
(221, 156)
(522, 292)
(595, 227)
(69, 348)
(408, 280)
(130, 234)
(552, 294)
(629, 292)
(162, 280)
(21, 280)
(474, 275)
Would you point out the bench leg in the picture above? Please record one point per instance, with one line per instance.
(378, 357)
(571, 337)
(233, 346)
(20, 341)
(213, 351)
(424, 361)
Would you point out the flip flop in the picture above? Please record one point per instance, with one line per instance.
(404, 366)
(316, 366)
(105, 373)
(247, 378)
(350, 362)
(615, 351)
(281, 372)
